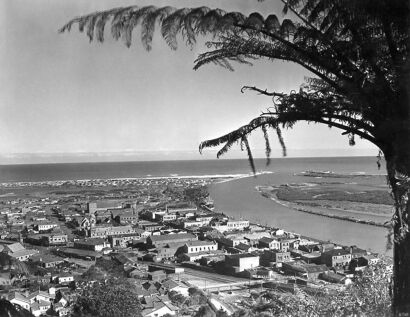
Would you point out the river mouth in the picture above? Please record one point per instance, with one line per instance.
(239, 198)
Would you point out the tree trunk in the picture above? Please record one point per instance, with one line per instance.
(398, 170)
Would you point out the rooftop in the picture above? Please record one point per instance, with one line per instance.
(198, 243)
(170, 237)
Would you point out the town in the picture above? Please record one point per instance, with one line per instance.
(162, 235)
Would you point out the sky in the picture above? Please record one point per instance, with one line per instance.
(63, 98)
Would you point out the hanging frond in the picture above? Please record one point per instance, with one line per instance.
(281, 141)
(268, 149)
(355, 51)
(249, 152)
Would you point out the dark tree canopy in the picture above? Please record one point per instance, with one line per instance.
(111, 298)
(357, 52)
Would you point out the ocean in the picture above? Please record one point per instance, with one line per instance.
(107, 170)
(236, 198)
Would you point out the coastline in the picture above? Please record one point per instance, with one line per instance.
(272, 196)
(56, 183)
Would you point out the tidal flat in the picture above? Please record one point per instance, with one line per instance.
(353, 197)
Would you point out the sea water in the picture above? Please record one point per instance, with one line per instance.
(236, 198)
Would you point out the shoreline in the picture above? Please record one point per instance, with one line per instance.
(273, 197)
(229, 177)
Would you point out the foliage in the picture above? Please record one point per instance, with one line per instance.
(177, 298)
(8, 309)
(357, 53)
(372, 196)
(108, 299)
(355, 49)
(196, 194)
(196, 297)
(205, 311)
(368, 296)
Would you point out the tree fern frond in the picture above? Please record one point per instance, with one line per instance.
(267, 144)
(224, 149)
(281, 141)
(171, 26)
(191, 21)
(119, 19)
(255, 20)
(148, 25)
(272, 24)
(249, 152)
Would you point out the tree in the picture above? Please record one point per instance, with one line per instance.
(357, 52)
(108, 299)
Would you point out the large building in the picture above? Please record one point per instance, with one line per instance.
(236, 263)
(94, 244)
(336, 258)
(106, 231)
(200, 246)
(163, 240)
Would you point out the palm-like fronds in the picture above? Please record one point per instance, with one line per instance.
(355, 50)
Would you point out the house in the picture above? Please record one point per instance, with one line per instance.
(274, 257)
(105, 231)
(167, 217)
(236, 263)
(182, 209)
(269, 243)
(55, 239)
(237, 224)
(160, 309)
(93, 244)
(336, 258)
(241, 248)
(17, 251)
(122, 240)
(47, 239)
(157, 276)
(335, 278)
(199, 246)
(150, 226)
(19, 299)
(163, 240)
(168, 251)
(312, 257)
(41, 296)
(195, 223)
(44, 225)
(23, 255)
(39, 308)
(6, 279)
(356, 252)
(301, 269)
(79, 253)
(193, 257)
(230, 225)
(47, 261)
(65, 278)
(172, 285)
(127, 216)
(231, 241)
(285, 244)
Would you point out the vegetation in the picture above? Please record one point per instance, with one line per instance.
(8, 309)
(368, 296)
(357, 53)
(107, 299)
(374, 196)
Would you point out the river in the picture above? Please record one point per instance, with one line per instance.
(239, 198)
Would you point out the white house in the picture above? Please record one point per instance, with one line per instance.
(200, 246)
(19, 299)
